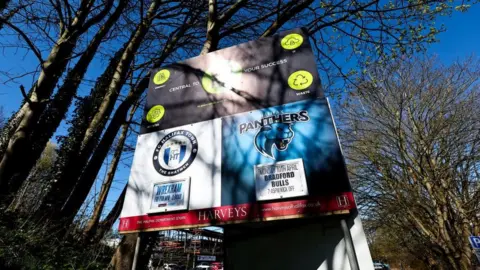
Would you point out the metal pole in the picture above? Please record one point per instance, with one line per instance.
(137, 250)
(352, 257)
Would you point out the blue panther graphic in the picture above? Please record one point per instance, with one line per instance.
(278, 135)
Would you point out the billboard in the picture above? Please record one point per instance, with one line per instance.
(240, 135)
(250, 76)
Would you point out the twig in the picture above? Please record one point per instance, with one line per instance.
(25, 96)
(32, 46)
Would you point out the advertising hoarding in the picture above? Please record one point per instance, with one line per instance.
(250, 76)
(240, 135)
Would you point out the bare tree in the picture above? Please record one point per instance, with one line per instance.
(412, 135)
(58, 106)
(5, 13)
(93, 222)
(107, 223)
(69, 191)
(17, 133)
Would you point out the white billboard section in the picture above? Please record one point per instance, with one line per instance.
(283, 179)
(168, 164)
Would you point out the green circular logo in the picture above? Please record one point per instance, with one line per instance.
(161, 76)
(291, 41)
(222, 76)
(155, 114)
(300, 80)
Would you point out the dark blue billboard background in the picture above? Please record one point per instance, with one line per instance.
(301, 129)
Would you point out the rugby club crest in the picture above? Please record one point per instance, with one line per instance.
(274, 131)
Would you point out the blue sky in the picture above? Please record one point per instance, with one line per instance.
(462, 37)
(461, 40)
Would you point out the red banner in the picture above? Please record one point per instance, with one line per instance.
(332, 204)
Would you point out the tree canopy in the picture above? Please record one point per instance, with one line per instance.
(412, 137)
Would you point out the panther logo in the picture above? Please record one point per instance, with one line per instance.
(278, 135)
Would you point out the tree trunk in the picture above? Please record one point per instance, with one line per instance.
(119, 77)
(31, 111)
(99, 121)
(91, 227)
(70, 152)
(107, 223)
(56, 110)
(87, 178)
(213, 28)
(9, 129)
(123, 257)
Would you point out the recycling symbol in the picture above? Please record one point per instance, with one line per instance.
(300, 80)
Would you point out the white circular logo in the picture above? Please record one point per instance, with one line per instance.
(175, 152)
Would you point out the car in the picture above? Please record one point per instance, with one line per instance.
(203, 267)
(380, 266)
(170, 266)
(217, 266)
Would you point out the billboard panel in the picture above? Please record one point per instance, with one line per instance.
(276, 163)
(257, 74)
(191, 153)
(300, 130)
(243, 134)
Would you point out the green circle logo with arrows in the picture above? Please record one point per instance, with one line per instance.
(300, 80)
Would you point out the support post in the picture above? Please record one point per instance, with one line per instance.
(137, 251)
(352, 257)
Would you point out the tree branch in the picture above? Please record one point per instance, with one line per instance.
(32, 46)
(238, 28)
(25, 96)
(349, 13)
(230, 12)
(97, 18)
(212, 28)
(286, 16)
(58, 8)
